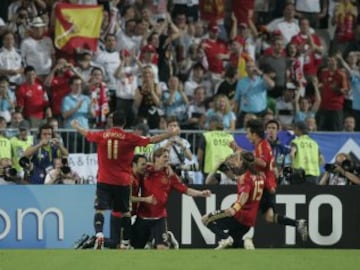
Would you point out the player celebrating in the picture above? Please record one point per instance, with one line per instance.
(264, 161)
(151, 218)
(238, 218)
(115, 150)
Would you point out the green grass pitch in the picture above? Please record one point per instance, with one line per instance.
(189, 259)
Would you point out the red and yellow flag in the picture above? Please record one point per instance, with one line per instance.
(77, 26)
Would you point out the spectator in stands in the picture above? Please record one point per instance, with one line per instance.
(189, 8)
(20, 143)
(16, 119)
(5, 150)
(196, 110)
(349, 123)
(284, 106)
(215, 51)
(19, 25)
(32, 99)
(334, 84)
(76, 106)
(313, 10)
(198, 77)
(287, 25)
(42, 154)
(311, 124)
(84, 65)
(147, 100)
(345, 14)
(98, 92)
(126, 82)
(175, 101)
(126, 39)
(303, 107)
(310, 46)
(37, 50)
(352, 68)
(251, 93)
(276, 66)
(109, 59)
(58, 84)
(340, 173)
(222, 108)
(7, 99)
(10, 59)
(228, 85)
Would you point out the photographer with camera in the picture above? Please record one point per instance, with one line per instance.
(43, 153)
(8, 174)
(61, 173)
(341, 172)
(179, 149)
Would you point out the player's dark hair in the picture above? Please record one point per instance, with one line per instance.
(248, 159)
(273, 121)
(119, 119)
(137, 157)
(28, 69)
(256, 126)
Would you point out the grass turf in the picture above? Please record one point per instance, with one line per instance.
(267, 259)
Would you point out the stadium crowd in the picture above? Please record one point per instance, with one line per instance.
(207, 65)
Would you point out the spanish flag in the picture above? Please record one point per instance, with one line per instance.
(77, 26)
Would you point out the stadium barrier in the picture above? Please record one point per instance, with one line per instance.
(55, 216)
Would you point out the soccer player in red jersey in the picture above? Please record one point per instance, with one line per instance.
(115, 151)
(232, 223)
(264, 161)
(159, 181)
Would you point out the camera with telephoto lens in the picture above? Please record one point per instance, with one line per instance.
(65, 169)
(293, 176)
(9, 174)
(25, 163)
(346, 165)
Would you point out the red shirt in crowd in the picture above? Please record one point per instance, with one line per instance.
(159, 184)
(241, 9)
(33, 99)
(332, 81)
(264, 152)
(212, 10)
(254, 186)
(212, 49)
(115, 151)
(313, 60)
(59, 89)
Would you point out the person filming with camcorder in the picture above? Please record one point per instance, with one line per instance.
(341, 172)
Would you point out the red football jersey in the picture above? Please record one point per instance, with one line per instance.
(254, 186)
(135, 190)
(264, 152)
(115, 150)
(159, 184)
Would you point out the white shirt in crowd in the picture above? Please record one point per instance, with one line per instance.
(308, 6)
(11, 60)
(109, 61)
(38, 53)
(287, 29)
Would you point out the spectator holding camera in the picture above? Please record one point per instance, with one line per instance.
(43, 153)
(61, 173)
(340, 173)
